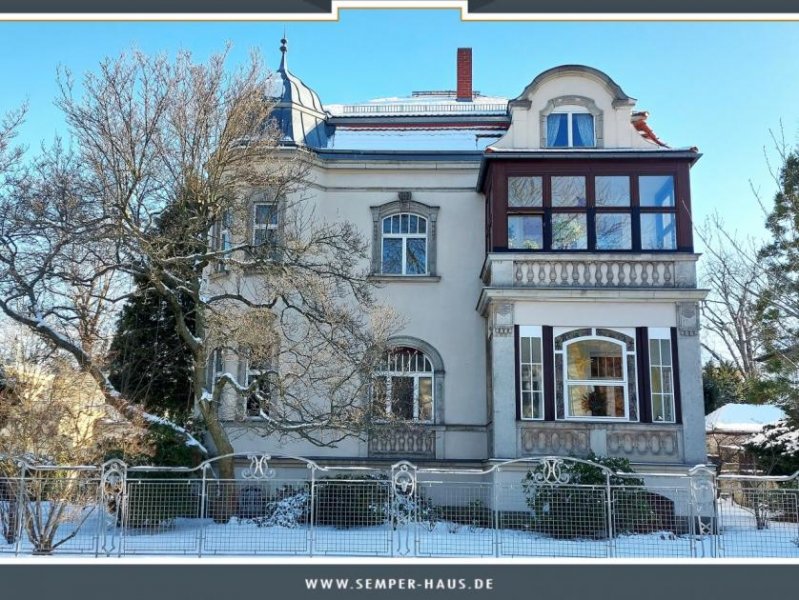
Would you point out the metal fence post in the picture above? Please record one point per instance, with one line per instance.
(22, 508)
(703, 499)
(203, 512)
(495, 493)
(609, 514)
(312, 516)
(113, 488)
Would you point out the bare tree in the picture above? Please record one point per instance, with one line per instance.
(170, 160)
(50, 417)
(731, 330)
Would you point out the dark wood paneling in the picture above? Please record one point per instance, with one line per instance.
(549, 372)
(517, 368)
(644, 386)
(675, 373)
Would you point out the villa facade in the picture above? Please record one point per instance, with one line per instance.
(540, 251)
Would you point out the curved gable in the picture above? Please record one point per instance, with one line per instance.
(570, 90)
(613, 88)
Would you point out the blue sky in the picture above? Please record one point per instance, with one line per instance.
(718, 86)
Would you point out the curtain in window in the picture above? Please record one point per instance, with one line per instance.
(583, 130)
(556, 128)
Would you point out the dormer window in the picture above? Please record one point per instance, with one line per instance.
(570, 129)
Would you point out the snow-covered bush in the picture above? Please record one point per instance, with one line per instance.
(289, 507)
(776, 448)
(417, 508)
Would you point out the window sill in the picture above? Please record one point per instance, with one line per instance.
(380, 278)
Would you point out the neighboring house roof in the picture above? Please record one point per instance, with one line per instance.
(640, 124)
(742, 418)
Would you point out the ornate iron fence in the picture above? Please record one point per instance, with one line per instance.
(281, 505)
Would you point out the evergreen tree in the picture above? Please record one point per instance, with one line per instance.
(149, 361)
(721, 384)
(778, 304)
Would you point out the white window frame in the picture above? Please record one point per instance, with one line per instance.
(405, 237)
(570, 111)
(623, 382)
(266, 227)
(660, 334)
(388, 374)
(531, 332)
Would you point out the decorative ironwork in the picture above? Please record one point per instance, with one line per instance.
(703, 501)
(403, 478)
(404, 507)
(113, 484)
(421, 511)
(259, 467)
(551, 471)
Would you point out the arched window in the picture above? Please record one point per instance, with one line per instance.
(595, 375)
(404, 249)
(595, 378)
(404, 239)
(403, 389)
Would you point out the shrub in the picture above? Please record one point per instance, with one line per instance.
(351, 501)
(418, 509)
(579, 508)
(154, 503)
(288, 507)
(156, 499)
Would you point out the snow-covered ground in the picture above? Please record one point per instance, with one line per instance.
(737, 536)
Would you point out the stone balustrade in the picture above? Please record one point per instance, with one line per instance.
(634, 441)
(417, 442)
(590, 270)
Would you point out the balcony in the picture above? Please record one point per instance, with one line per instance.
(403, 440)
(590, 270)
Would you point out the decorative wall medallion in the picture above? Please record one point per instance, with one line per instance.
(688, 318)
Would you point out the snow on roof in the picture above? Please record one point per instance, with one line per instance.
(745, 418)
(412, 139)
(422, 103)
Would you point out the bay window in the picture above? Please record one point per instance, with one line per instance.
(602, 213)
(658, 208)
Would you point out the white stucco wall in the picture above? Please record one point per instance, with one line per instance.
(441, 313)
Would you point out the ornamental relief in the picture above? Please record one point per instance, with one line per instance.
(502, 319)
(688, 318)
(643, 443)
(574, 442)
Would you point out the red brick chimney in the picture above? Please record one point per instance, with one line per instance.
(464, 74)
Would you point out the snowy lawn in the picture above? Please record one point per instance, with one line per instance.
(738, 536)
